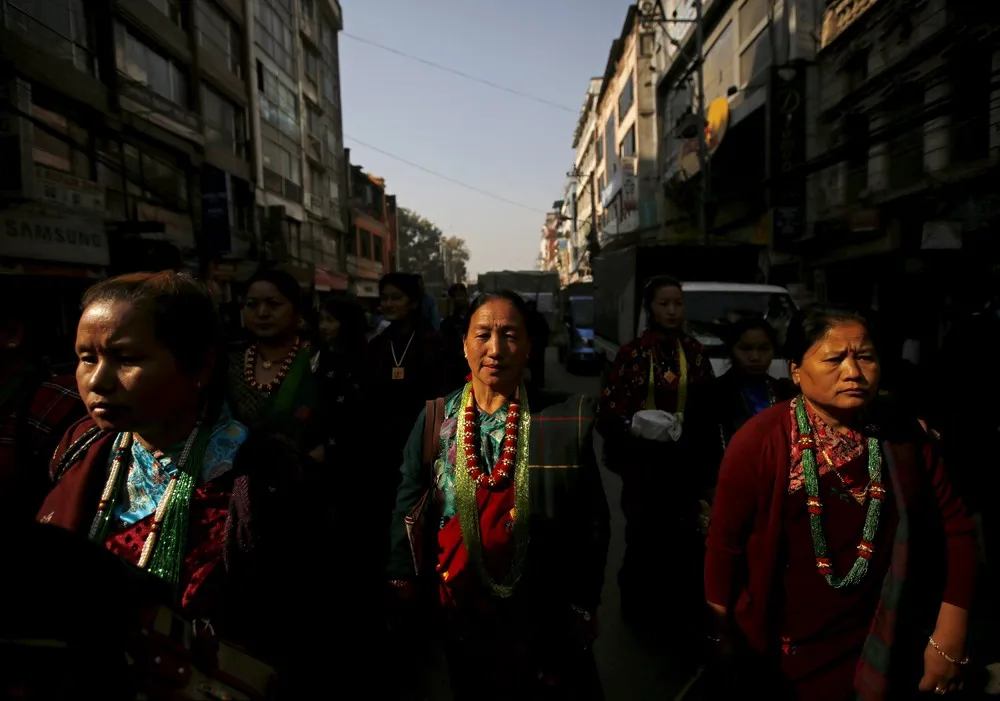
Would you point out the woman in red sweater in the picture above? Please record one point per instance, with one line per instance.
(839, 557)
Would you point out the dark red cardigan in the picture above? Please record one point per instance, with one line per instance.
(744, 542)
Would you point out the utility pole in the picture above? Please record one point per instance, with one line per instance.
(652, 12)
(699, 31)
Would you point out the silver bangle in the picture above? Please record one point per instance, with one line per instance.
(937, 648)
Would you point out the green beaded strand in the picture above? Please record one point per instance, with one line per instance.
(811, 475)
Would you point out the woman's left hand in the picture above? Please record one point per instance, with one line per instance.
(940, 675)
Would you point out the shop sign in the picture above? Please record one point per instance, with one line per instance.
(53, 187)
(58, 239)
(365, 290)
(839, 15)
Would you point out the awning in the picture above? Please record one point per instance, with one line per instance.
(326, 281)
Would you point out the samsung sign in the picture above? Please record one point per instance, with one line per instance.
(65, 240)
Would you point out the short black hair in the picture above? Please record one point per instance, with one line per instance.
(284, 282)
(516, 300)
(809, 325)
(183, 314)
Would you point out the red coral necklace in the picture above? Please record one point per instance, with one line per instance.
(501, 472)
(250, 368)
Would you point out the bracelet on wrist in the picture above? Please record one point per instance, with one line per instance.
(582, 612)
(937, 648)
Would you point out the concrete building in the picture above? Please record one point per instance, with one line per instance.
(125, 139)
(371, 245)
(760, 100)
(625, 133)
(903, 166)
(300, 164)
(161, 133)
(582, 187)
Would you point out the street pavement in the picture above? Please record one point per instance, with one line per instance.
(632, 667)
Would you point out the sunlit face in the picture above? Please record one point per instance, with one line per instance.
(754, 352)
(396, 305)
(841, 371)
(329, 326)
(667, 307)
(267, 313)
(496, 345)
(127, 378)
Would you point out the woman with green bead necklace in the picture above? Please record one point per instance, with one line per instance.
(840, 561)
(150, 474)
(515, 518)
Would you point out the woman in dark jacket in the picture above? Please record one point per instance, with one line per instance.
(747, 388)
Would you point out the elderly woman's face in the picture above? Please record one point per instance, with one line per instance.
(127, 378)
(841, 371)
(496, 344)
(267, 313)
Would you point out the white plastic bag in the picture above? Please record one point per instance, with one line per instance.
(656, 425)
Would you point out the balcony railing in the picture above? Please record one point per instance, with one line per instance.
(139, 99)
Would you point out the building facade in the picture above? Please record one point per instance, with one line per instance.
(904, 161)
(625, 135)
(372, 243)
(297, 120)
(169, 134)
(582, 188)
(759, 82)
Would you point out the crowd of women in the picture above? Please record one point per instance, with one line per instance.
(303, 511)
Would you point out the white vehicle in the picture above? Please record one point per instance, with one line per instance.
(708, 306)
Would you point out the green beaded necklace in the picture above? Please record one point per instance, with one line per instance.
(163, 553)
(815, 505)
(468, 505)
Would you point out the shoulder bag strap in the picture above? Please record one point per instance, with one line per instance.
(433, 418)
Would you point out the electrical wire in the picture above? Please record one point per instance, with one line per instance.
(467, 186)
(461, 74)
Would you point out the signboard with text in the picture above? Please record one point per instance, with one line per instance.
(26, 234)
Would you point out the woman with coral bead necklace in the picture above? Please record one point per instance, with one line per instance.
(516, 520)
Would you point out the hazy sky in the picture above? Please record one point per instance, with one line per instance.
(495, 141)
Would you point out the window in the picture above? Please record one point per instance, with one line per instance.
(628, 143)
(274, 37)
(312, 65)
(752, 14)
(366, 244)
(317, 188)
(148, 67)
(224, 121)
(279, 105)
(377, 246)
(308, 10)
(219, 36)
(609, 146)
(172, 9)
(600, 151)
(626, 97)
(329, 88)
(313, 120)
(329, 38)
(58, 26)
(282, 161)
(155, 180)
(59, 143)
(351, 242)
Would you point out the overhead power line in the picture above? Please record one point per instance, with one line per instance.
(461, 74)
(436, 174)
